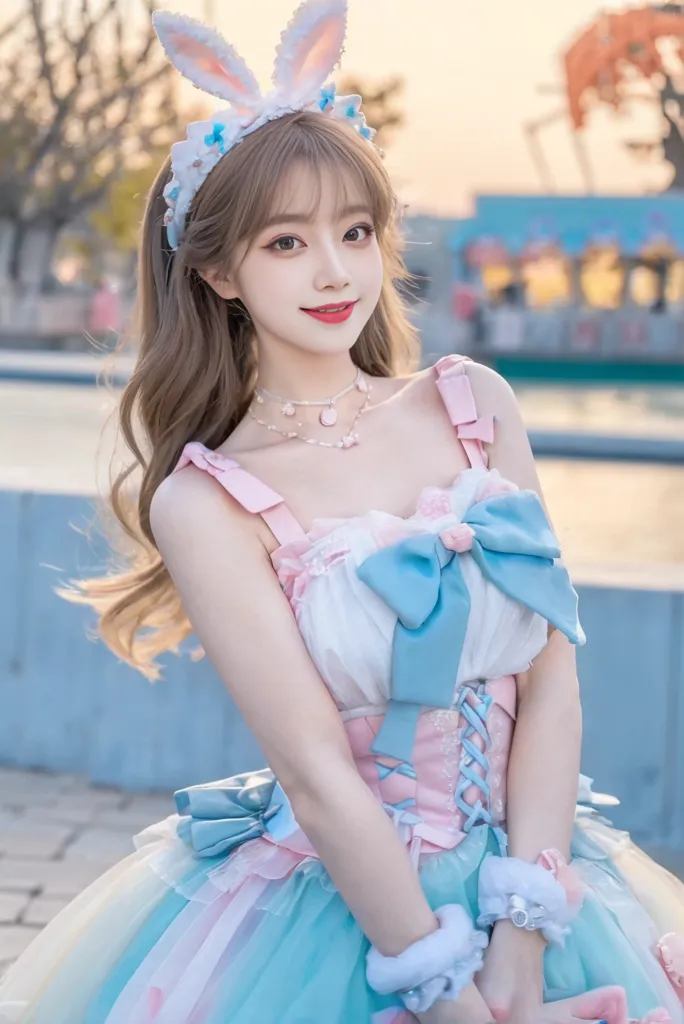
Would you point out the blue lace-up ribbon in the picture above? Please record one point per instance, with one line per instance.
(475, 716)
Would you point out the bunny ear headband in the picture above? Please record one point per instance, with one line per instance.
(310, 48)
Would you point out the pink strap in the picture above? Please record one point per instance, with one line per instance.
(254, 495)
(453, 385)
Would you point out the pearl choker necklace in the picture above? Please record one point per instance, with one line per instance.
(328, 416)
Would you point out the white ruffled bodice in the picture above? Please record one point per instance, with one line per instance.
(349, 630)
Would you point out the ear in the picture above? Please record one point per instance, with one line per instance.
(310, 49)
(225, 287)
(204, 57)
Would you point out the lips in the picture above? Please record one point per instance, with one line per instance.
(332, 313)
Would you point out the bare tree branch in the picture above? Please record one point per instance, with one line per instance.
(85, 95)
(42, 43)
(63, 103)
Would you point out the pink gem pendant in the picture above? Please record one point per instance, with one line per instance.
(328, 417)
(349, 441)
(288, 409)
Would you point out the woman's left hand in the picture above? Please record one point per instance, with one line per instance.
(511, 984)
(511, 980)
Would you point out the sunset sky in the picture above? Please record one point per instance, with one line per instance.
(472, 70)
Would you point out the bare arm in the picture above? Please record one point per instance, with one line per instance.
(244, 622)
(545, 755)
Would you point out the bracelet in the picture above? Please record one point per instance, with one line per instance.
(545, 896)
(436, 967)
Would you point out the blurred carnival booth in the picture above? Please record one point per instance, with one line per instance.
(560, 286)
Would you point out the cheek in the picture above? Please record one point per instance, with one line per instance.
(265, 279)
(374, 270)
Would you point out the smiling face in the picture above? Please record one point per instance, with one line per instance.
(312, 276)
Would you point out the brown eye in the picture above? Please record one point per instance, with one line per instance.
(286, 243)
(359, 233)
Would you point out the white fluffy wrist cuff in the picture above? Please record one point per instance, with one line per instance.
(544, 896)
(436, 967)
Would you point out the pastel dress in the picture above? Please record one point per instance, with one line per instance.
(224, 913)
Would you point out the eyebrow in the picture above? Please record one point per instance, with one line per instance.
(305, 218)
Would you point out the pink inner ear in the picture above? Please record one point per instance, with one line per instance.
(206, 60)
(320, 52)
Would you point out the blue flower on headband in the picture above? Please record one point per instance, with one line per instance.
(215, 138)
(353, 106)
(327, 97)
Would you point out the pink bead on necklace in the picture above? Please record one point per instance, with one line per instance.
(328, 416)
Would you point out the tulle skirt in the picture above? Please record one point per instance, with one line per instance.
(262, 937)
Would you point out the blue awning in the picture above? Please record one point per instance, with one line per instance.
(574, 222)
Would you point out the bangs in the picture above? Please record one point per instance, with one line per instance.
(264, 167)
(353, 181)
(348, 192)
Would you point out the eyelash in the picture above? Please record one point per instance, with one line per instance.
(274, 244)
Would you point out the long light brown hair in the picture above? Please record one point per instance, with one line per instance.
(196, 364)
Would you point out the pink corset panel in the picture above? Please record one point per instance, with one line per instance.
(458, 776)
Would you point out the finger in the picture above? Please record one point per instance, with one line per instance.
(608, 1003)
(570, 1011)
(572, 1019)
(565, 1016)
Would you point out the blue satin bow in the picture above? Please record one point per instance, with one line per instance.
(218, 816)
(421, 580)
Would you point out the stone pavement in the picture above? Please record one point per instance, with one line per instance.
(57, 834)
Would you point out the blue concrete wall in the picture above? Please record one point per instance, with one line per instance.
(68, 704)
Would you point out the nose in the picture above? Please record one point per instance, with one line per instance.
(332, 273)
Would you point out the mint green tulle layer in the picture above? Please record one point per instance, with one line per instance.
(132, 949)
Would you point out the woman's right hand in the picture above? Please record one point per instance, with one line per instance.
(469, 1008)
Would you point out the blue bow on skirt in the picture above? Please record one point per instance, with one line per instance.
(219, 816)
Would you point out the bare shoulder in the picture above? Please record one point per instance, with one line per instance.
(492, 393)
(191, 502)
(418, 389)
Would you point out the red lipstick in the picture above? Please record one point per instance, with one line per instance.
(332, 313)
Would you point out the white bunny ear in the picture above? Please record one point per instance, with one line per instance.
(310, 48)
(204, 57)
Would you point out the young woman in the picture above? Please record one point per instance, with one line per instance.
(365, 557)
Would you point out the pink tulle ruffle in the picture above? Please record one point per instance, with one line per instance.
(670, 952)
